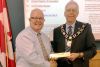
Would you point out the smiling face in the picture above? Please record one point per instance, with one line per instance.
(71, 12)
(36, 20)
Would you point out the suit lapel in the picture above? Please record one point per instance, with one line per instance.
(77, 26)
(63, 38)
(65, 27)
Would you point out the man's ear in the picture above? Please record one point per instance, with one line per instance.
(29, 19)
(44, 19)
(65, 13)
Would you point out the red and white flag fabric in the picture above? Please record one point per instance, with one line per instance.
(7, 58)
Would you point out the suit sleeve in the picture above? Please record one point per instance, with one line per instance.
(90, 44)
(54, 44)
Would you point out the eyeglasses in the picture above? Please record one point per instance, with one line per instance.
(40, 18)
(71, 10)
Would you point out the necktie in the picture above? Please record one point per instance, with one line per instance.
(69, 30)
(45, 54)
(69, 34)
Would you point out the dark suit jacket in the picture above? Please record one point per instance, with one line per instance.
(85, 42)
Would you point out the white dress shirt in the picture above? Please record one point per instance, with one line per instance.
(73, 27)
(28, 49)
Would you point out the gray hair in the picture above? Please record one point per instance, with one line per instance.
(72, 2)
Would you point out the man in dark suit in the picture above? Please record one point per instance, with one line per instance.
(75, 37)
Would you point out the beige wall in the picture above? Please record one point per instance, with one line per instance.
(95, 62)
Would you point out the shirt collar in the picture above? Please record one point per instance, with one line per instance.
(73, 25)
(34, 31)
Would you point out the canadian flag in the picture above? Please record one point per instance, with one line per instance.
(7, 58)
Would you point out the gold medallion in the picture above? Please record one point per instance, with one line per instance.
(70, 38)
(69, 42)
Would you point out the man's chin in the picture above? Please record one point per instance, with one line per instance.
(71, 20)
(39, 28)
